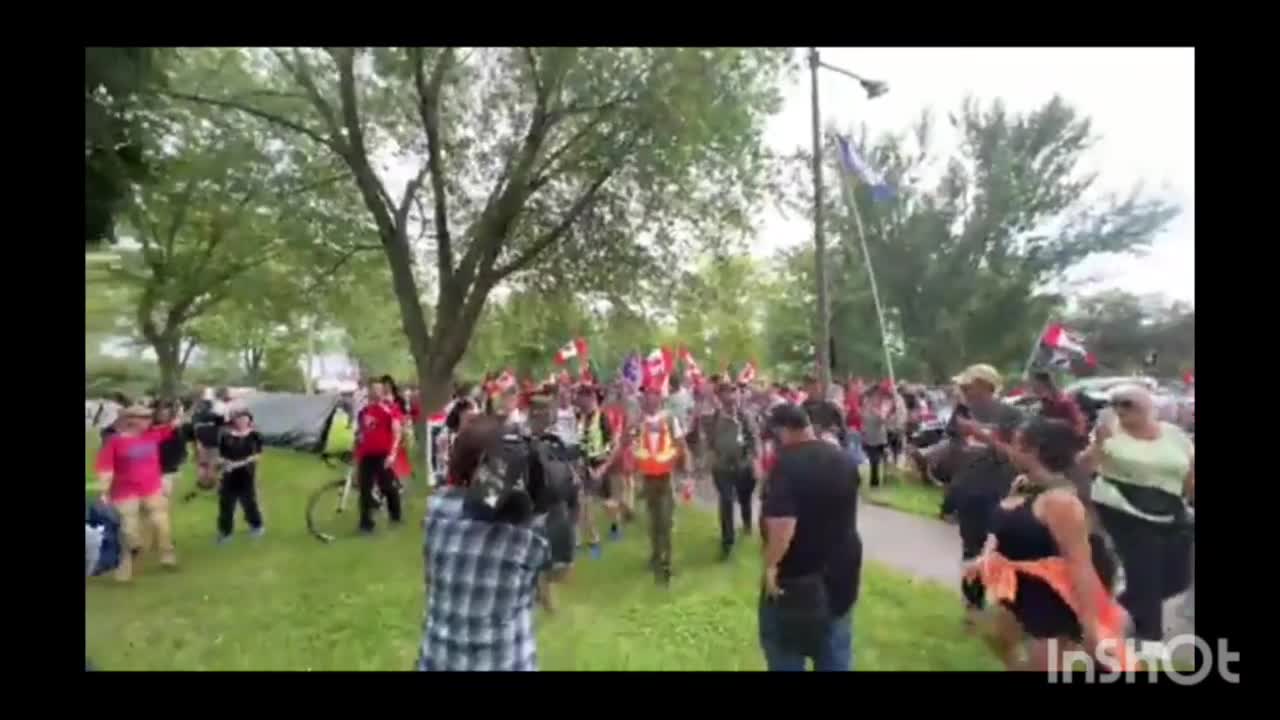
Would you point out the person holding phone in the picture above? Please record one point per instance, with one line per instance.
(985, 427)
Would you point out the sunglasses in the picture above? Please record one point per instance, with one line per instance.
(1124, 404)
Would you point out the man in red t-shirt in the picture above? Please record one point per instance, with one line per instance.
(376, 450)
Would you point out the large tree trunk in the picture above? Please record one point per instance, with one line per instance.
(168, 349)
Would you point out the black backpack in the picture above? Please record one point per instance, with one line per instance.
(551, 471)
(500, 489)
(526, 476)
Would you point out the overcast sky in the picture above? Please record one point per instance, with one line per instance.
(1141, 101)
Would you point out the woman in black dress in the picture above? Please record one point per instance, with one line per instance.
(1046, 562)
(239, 448)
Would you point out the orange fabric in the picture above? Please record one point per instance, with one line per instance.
(655, 459)
(999, 575)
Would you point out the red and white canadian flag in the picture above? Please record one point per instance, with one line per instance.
(657, 368)
(1057, 337)
(748, 374)
(1061, 348)
(575, 348)
(691, 369)
(505, 381)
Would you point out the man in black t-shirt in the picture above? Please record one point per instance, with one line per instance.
(813, 555)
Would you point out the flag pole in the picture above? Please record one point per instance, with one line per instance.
(1035, 345)
(852, 202)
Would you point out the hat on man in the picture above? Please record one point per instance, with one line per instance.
(980, 373)
(138, 411)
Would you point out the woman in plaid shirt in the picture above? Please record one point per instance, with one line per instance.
(482, 562)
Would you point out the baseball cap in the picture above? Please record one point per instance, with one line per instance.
(980, 373)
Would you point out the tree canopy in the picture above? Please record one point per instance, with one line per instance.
(535, 166)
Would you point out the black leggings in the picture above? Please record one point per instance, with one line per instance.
(875, 457)
(373, 469)
(1157, 566)
(238, 487)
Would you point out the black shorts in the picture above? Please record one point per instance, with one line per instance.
(602, 488)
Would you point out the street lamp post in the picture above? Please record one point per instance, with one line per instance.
(822, 343)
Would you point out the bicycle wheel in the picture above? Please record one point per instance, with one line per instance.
(332, 510)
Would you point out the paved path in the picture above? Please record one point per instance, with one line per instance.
(930, 549)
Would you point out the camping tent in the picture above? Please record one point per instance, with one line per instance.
(292, 420)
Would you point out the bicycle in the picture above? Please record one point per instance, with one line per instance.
(328, 505)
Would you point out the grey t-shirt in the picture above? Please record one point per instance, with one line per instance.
(1003, 417)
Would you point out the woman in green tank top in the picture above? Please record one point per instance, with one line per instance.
(1146, 472)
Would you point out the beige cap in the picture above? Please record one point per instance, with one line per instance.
(980, 372)
(138, 411)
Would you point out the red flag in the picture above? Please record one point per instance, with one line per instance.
(574, 348)
(1061, 348)
(657, 368)
(505, 381)
(691, 370)
(1059, 338)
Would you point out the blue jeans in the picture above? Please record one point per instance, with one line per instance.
(836, 654)
(853, 447)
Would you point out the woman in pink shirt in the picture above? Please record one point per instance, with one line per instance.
(132, 481)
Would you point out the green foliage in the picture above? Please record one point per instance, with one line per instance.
(719, 313)
(962, 262)
(591, 168)
(1122, 329)
(227, 200)
(117, 139)
(104, 376)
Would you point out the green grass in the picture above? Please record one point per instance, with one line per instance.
(904, 491)
(287, 602)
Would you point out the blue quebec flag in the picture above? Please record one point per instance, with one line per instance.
(855, 165)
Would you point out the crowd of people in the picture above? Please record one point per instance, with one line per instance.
(1072, 528)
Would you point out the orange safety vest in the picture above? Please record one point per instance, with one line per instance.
(655, 460)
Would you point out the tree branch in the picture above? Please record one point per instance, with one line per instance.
(182, 203)
(429, 113)
(343, 259)
(530, 255)
(411, 196)
(255, 112)
(301, 73)
(546, 173)
(358, 154)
